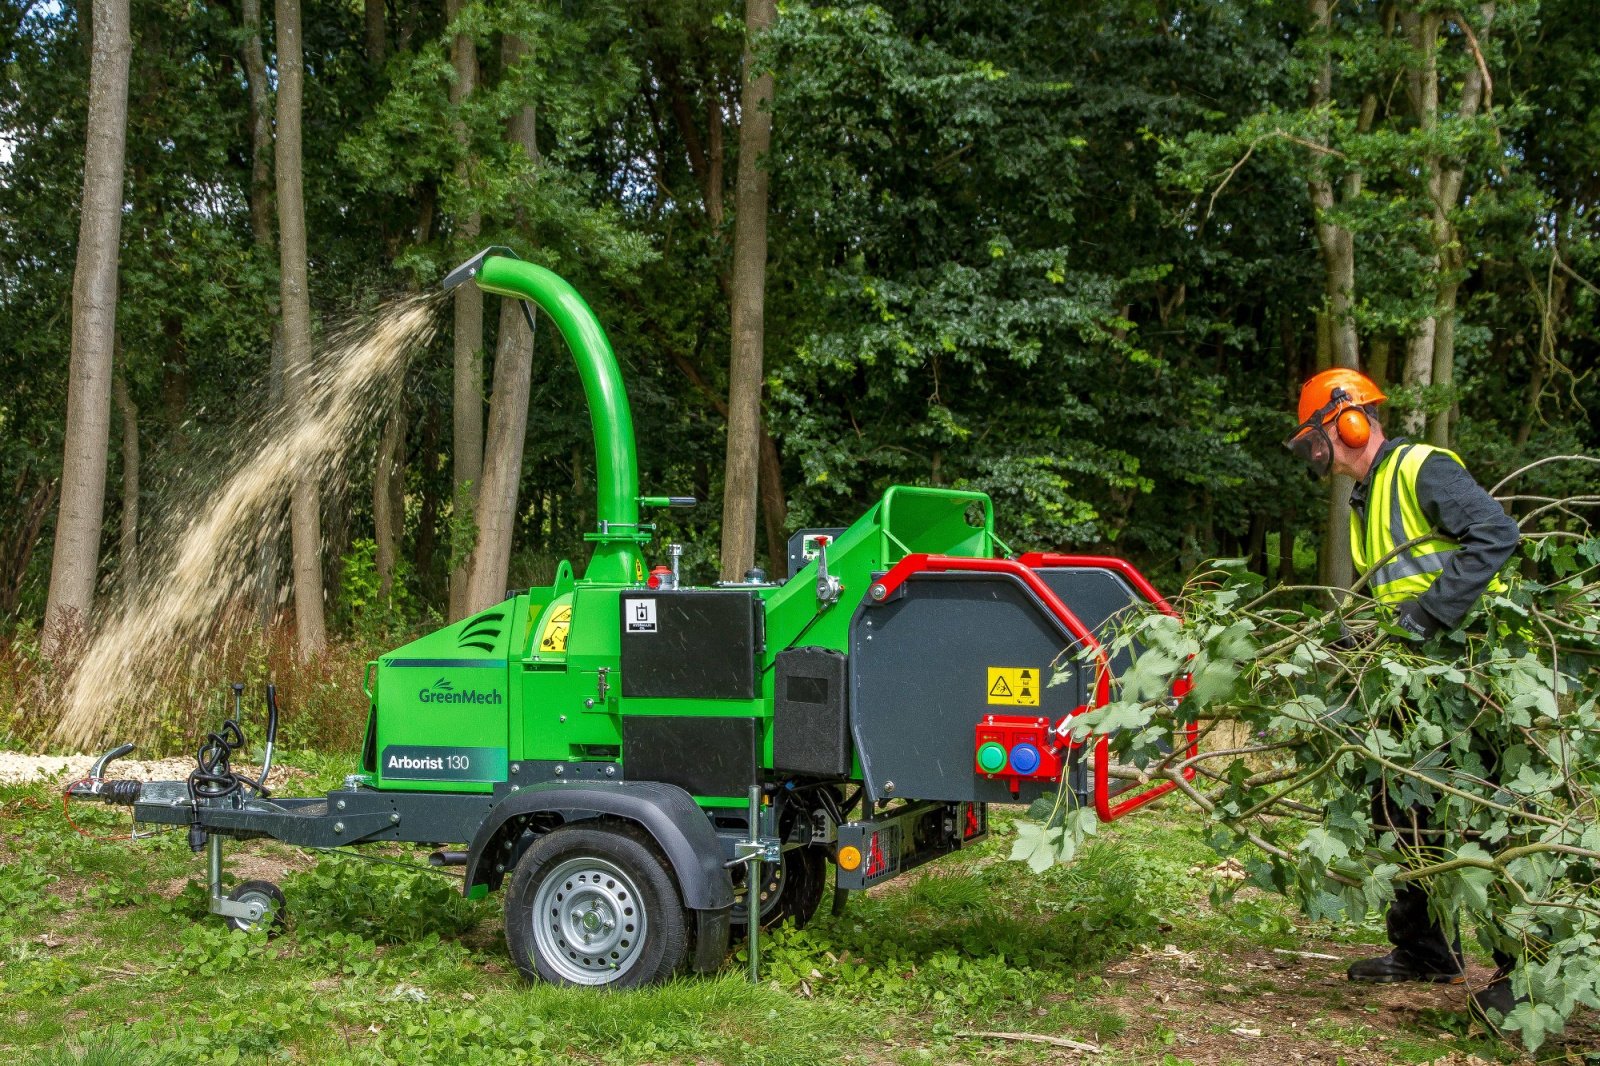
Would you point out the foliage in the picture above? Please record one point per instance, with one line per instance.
(1492, 728)
(372, 616)
(1008, 250)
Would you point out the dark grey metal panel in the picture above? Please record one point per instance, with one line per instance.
(1100, 598)
(1104, 601)
(342, 817)
(919, 668)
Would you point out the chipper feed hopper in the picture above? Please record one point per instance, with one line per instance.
(640, 764)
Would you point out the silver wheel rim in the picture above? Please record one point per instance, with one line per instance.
(269, 908)
(589, 922)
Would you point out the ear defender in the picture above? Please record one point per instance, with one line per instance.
(1354, 427)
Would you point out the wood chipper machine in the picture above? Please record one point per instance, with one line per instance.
(646, 767)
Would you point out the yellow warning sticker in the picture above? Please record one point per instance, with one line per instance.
(1014, 686)
(555, 630)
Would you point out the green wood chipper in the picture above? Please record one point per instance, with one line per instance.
(642, 764)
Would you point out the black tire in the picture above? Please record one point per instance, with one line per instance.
(270, 896)
(596, 904)
(790, 890)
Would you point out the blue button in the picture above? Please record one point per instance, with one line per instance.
(1024, 759)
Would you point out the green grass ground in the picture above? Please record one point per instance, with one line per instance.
(107, 955)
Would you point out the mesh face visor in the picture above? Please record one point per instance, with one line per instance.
(1310, 441)
(1311, 444)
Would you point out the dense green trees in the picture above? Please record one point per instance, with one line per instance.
(1076, 255)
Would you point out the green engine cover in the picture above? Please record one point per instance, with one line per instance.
(443, 704)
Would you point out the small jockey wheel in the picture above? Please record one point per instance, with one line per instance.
(265, 895)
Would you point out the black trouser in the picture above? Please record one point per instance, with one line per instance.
(1416, 937)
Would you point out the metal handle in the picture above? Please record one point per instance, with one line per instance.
(99, 769)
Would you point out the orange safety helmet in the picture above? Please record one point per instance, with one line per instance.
(1338, 396)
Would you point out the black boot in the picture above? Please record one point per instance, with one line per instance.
(1396, 966)
(1491, 1005)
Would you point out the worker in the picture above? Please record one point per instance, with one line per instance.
(1404, 492)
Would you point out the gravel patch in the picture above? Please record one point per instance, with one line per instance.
(19, 768)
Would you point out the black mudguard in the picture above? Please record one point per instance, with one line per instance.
(668, 813)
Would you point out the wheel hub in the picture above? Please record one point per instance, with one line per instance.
(588, 921)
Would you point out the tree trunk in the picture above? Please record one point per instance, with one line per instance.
(1337, 245)
(748, 300)
(466, 442)
(18, 543)
(377, 33)
(255, 69)
(774, 507)
(1378, 351)
(130, 480)
(76, 558)
(502, 460)
(508, 408)
(1444, 363)
(305, 520)
(425, 550)
(388, 490)
(1430, 358)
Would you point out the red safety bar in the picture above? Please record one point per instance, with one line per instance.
(1180, 688)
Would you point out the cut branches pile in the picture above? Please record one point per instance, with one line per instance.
(1492, 729)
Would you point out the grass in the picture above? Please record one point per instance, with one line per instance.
(107, 955)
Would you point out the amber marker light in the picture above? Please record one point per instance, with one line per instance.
(849, 858)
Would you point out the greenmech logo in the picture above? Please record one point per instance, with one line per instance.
(443, 691)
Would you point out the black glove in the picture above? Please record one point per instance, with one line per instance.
(1412, 617)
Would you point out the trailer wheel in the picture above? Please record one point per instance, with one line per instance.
(270, 897)
(791, 889)
(596, 906)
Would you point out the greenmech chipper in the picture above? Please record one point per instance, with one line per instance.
(640, 765)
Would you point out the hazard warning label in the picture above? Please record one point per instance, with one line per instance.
(555, 630)
(1014, 686)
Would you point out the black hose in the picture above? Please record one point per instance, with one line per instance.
(213, 777)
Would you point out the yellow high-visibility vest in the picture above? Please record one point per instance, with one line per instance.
(1394, 517)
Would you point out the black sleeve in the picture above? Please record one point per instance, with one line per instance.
(1462, 510)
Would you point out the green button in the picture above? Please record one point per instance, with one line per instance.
(991, 757)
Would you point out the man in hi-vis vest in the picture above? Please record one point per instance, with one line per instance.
(1437, 539)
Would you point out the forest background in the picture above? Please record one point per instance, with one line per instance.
(1076, 255)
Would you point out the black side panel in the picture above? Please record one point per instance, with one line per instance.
(920, 682)
(703, 756)
(690, 644)
(810, 730)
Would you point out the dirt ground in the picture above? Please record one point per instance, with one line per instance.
(1275, 1012)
